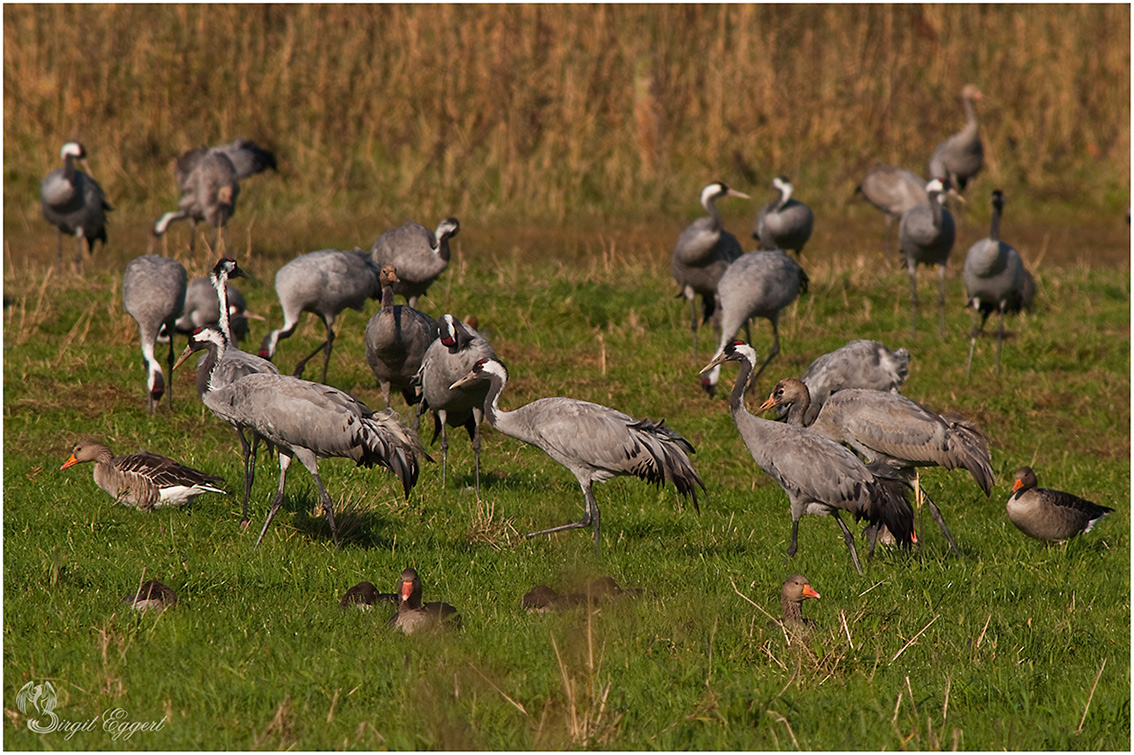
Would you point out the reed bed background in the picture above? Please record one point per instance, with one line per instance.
(551, 112)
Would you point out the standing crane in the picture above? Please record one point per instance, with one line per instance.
(153, 293)
(926, 235)
(73, 202)
(324, 282)
(417, 253)
(595, 443)
(818, 475)
(784, 223)
(892, 430)
(995, 281)
(209, 181)
(960, 157)
(703, 252)
(759, 284)
(448, 359)
(231, 365)
(397, 338)
(307, 421)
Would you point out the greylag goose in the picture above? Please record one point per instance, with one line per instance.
(143, 480)
(413, 615)
(1050, 515)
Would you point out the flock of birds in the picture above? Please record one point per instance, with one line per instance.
(847, 441)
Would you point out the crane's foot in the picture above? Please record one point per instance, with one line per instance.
(584, 522)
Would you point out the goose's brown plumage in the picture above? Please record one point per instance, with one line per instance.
(1050, 515)
(151, 594)
(143, 480)
(365, 595)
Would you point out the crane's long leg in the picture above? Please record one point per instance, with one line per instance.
(325, 347)
(692, 317)
(941, 298)
(169, 361)
(912, 267)
(794, 546)
(1000, 335)
(477, 417)
(327, 505)
(78, 252)
(285, 462)
(248, 451)
(772, 351)
(442, 415)
(936, 513)
(591, 518)
(849, 539)
(59, 246)
(977, 322)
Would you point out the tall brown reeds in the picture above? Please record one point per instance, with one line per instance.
(546, 110)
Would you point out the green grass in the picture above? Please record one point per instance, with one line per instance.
(999, 646)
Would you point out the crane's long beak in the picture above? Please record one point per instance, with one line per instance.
(718, 359)
(86, 166)
(737, 194)
(184, 355)
(254, 316)
(466, 379)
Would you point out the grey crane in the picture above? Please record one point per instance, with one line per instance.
(594, 442)
(818, 475)
(308, 421)
(209, 181)
(232, 364)
(417, 253)
(74, 203)
(893, 191)
(143, 480)
(397, 338)
(759, 284)
(960, 157)
(413, 615)
(448, 359)
(153, 293)
(926, 235)
(1050, 515)
(858, 364)
(892, 430)
(784, 223)
(324, 282)
(202, 309)
(702, 253)
(995, 281)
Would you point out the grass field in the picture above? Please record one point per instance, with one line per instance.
(1009, 644)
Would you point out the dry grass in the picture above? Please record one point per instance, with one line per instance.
(495, 110)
